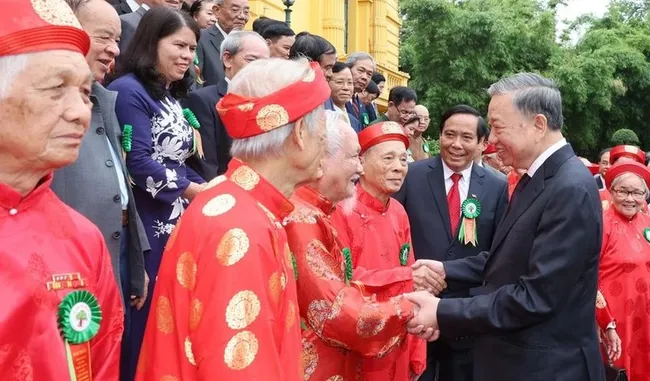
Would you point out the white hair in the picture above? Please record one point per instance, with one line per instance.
(10, 67)
(627, 175)
(235, 40)
(261, 78)
(334, 132)
(353, 58)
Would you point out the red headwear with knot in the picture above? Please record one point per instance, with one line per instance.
(381, 132)
(631, 152)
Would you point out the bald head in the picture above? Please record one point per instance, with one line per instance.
(423, 113)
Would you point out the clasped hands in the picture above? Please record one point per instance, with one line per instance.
(429, 280)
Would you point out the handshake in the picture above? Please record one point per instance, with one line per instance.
(429, 281)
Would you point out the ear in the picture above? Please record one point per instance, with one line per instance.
(227, 58)
(268, 42)
(540, 123)
(298, 134)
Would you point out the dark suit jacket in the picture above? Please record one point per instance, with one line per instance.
(430, 229)
(122, 8)
(361, 116)
(209, 52)
(216, 141)
(534, 313)
(90, 186)
(599, 182)
(130, 23)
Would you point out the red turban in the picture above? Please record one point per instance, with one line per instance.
(632, 152)
(381, 132)
(629, 167)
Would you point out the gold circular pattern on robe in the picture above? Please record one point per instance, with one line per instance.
(391, 128)
(335, 378)
(270, 117)
(232, 247)
(310, 76)
(317, 314)
(196, 313)
(246, 107)
(168, 378)
(214, 182)
(241, 350)
(164, 318)
(242, 309)
(186, 271)
(388, 347)
(245, 177)
(275, 287)
(219, 205)
(321, 263)
(337, 304)
(283, 281)
(600, 301)
(309, 358)
(55, 12)
(302, 215)
(371, 321)
(188, 351)
(291, 316)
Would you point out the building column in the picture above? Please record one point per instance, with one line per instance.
(334, 23)
(379, 30)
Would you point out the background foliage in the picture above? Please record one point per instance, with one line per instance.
(454, 50)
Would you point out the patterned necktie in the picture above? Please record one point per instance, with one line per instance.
(355, 106)
(453, 203)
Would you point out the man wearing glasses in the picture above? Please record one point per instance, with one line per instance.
(401, 105)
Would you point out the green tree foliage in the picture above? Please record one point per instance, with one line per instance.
(454, 50)
(624, 136)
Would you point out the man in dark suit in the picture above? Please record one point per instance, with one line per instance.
(125, 6)
(231, 15)
(603, 167)
(434, 228)
(237, 50)
(362, 66)
(533, 315)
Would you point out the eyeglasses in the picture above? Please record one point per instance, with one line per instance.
(637, 195)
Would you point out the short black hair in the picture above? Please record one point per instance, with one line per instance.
(372, 88)
(412, 119)
(378, 78)
(482, 130)
(399, 94)
(339, 67)
(311, 46)
(262, 22)
(600, 155)
(275, 31)
(196, 7)
(141, 55)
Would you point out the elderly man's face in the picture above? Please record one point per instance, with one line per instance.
(232, 15)
(311, 147)
(281, 47)
(628, 194)
(604, 164)
(46, 111)
(99, 19)
(252, 49)
(342, 171)
(362, 72)
(384, 167)
(423, 113)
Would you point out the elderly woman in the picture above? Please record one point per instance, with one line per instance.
(620, 154)
(201, 11)
(154, 73)
(625, 264)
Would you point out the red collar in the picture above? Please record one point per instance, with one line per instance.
(263, 191)
(313, 198)
(10, 199)
(370, 201)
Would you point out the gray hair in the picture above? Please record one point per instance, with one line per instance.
(359, 56)
(627, 175)
(218, 2)
(261, 78)
(10, 67)
(76, 5)
(334, 132)
(234, 41)
(532, 95)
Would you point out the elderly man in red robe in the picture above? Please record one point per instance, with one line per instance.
(376, 230)
(225, 304)
(61, 311)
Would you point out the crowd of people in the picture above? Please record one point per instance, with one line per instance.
(181, 199)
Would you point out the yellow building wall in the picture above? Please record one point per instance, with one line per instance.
(373, 26)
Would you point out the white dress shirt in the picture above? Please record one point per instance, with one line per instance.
(537, 164)
(133, 5)
(463, 183)
(221, 30)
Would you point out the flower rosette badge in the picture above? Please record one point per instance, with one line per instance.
(404, 254)
(470, 209)
(646, 234)
(79, 319)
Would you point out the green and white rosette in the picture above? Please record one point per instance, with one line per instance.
(79, 319)
(646, 234)
(404, 254)
(470, 209)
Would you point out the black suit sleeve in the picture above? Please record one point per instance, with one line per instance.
(502, 206)
(127, 34)
(209, 166)
(556, 261)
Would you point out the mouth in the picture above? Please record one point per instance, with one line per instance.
(456, 156)
(355, 180)
(105, 63)
(183, 67)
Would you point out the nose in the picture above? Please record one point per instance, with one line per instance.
(187, 54)
(113, 49)
(77, 109)
(492, 139)
(359, 169)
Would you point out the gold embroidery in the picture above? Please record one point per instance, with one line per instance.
(270, 117)
(337, 304)
(319, 311)
(397, 304)
(186, 271)
(631, 149)
(600, 300)
(309, 357)
(321, 263)
(214, 182)
(335, 378)
(291, 315)
(283, 281)
(391, 128)
(164, 318)
(232, 247)
(188, 351)
(55, 12)
(389, 346)
(168, 378)
(246, 107)
(219, 205)
(242, 309)
(310, 76)
(245, 177)
(302, 215)
(241, 350)
(275, 287)
(371, 320)
(196, 313)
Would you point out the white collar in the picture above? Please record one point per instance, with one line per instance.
(145, 6)
(537, 164)
(221, 30)
(447, 172)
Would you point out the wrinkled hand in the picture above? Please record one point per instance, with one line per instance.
(612, 344)
(413, 376)
(425, 279)
(138, 301)
(425, 322)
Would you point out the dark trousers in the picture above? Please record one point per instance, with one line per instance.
(125, 278)
(445, 363)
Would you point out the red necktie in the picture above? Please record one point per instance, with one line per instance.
(453, 203)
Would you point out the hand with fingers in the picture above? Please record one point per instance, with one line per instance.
(612, 344)
(424, 322)
(429, 275)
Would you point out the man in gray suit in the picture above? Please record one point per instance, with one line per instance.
(96, 184)
(131, 20)
(231, 15)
